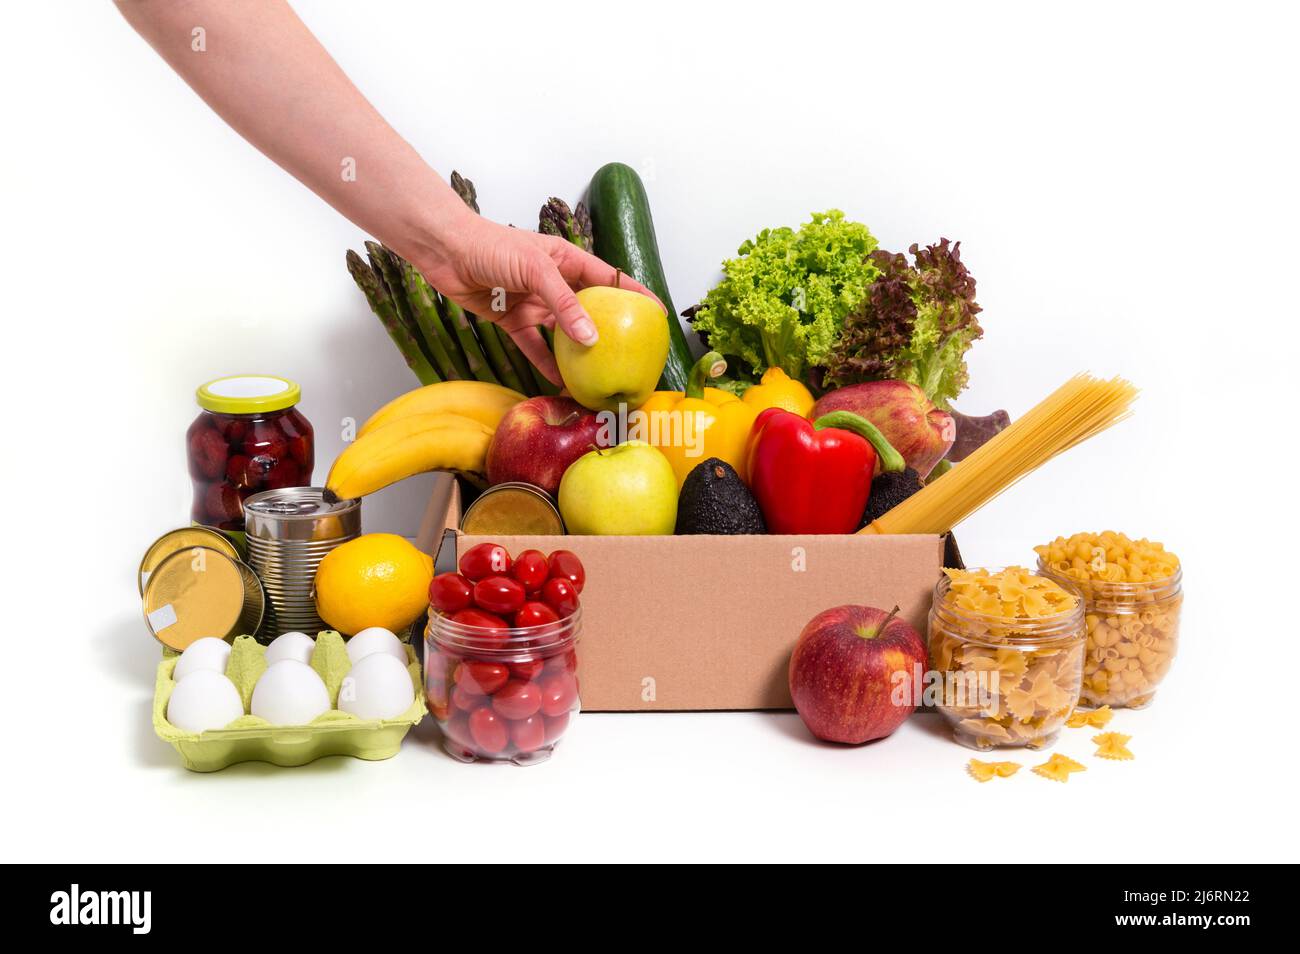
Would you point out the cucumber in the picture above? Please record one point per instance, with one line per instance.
(625, 238)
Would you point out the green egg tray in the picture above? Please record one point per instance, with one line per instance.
(250, 739)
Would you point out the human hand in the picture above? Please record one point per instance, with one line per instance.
(519, 280)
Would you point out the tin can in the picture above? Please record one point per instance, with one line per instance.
(513, 508)
(200, 592)
(184, 538)
(288, 533)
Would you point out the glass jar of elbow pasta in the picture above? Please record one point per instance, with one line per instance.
(1009, 646)
(1133, 596)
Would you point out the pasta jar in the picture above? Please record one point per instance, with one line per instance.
(1132, 624)
(1009, 647)
(502, 695)
(249, 437)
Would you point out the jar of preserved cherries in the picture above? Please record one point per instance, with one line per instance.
(249, 437)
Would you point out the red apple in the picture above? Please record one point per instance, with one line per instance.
(910, 422)
(538, 439)
(842, 673)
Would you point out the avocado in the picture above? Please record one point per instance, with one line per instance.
(889, 490)
(715, 500)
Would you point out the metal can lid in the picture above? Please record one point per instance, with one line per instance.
(248, 394)
(300, 514)
(183, 538)
(201, 592)
(513, 508)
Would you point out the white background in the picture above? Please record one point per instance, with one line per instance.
(1122, 180)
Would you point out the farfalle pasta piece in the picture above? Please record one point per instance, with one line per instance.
(1058, 768)
(1090, 718)
(984, 771)
(1112, 745)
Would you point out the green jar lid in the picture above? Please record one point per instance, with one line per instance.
(248, 394)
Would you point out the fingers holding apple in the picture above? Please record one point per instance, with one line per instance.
(623, 366)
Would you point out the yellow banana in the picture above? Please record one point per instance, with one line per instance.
(411, 445)
(479, 400)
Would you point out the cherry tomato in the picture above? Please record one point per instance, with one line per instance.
(529, 734)
(555, 726)
(450, 593)
(457, 728)
(437, 699)
(559, 693)
(527, 669)
(437, 666)
(496, 627)
(499, 594)
(485, 559)
(565, 565)
(563, 662)
(481, 678)
(531, 570)
(534, 613)
(488, 730)
(560, 596)
(465, 699)
(517, 699)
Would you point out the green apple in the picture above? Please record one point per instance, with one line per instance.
(626, 490)
(624, 365)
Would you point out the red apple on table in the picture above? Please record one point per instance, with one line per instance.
(538, 439)
(842, 672)
(917, 429)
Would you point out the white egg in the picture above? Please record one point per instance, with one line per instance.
(207, 654)
(290, 693)
(204, 700)
(378, 687)
(376, 639)
(297, 646)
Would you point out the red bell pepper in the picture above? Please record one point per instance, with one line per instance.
(815, 476)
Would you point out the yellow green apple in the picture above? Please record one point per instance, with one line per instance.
(624, 365)
(626, 490)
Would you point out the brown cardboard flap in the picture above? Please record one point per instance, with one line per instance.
(708, 622)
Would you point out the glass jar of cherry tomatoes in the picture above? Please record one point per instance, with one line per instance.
(501, 654)
(249, 437)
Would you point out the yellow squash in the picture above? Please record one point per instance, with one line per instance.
(692, 426)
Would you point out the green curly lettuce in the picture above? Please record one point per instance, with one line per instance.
(914, 324)
(783, 301)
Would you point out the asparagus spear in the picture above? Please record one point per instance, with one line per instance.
(465, 189)
(424, 304)
(571, 225)
(381, 303)
(385, 263)
(459, 321)
(491, 336)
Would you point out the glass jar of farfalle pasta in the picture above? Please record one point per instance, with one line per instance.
(1133, 600)
(1010, 647)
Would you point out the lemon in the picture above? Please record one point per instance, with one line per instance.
(378, 579)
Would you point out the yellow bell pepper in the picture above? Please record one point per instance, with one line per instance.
(778, 389)
(692, 426)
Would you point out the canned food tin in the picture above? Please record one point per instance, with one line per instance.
(288, 533)
(510, 509)
(201, 592)
(185, 538)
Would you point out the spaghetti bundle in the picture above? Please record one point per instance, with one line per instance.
(1079, 409)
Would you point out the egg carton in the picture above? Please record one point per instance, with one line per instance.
(251, 739)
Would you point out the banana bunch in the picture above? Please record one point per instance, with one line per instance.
(443, 426)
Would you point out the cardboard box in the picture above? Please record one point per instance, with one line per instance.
(708, 622)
